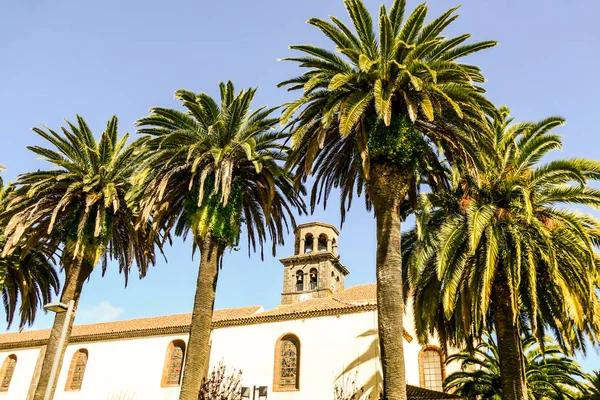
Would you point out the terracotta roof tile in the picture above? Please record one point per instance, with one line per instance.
(359, 294)
(132, 325)
(355, 299)
(417, 393)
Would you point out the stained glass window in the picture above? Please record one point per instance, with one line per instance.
(432, 370)
(289, 363)
(174, 363)
(77, 371)
(8, 368)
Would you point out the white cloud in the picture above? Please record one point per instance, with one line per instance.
(103, 312)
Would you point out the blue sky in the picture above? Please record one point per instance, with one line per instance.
(110, 57)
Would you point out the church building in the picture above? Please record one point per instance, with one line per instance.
(322, 335)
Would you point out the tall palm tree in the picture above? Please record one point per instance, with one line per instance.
(27, 280)
(211, 170)
(551, 374)
(377, 116)
(502, 250)
(79, 208)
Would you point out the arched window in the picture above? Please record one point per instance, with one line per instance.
(431, 368)
(173, 364)
(322, 245)
(314, 278)
(286, 375)
(308, 243)
(299, 281)
(77, 370)
(8, 368)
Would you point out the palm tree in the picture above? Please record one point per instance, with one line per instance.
(374, 119)
(28, 279)
(210, 170)
(79, 208)
(550, 373)
(593, 388)
(501, 250)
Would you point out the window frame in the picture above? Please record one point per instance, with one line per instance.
(167, 364)
(277, 387)
(422, 353)
(3, 371)
(69, 382)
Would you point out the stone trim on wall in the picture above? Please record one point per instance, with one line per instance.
(184, 329)
(36, 373)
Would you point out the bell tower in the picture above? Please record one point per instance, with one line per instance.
(315, 269)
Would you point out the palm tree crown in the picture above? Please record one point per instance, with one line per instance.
(80, 204)
(551, 374)
(212, 168)
(397, 97)
(509, 226)
(28, 279)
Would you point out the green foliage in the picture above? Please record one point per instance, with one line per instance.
(79, 206)
(399, 143)
(593, 387)
(224, 222)
(213, 167)
(550, 373)
(27, 279)
(509, 225)
(402, 73)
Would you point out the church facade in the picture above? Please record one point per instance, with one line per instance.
(321, 336)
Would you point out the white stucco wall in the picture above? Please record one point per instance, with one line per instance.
(19, 385)
(134, 366)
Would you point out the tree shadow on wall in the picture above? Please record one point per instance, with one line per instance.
(345, 383)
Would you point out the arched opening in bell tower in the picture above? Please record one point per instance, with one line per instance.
(314, 279)
(299, 281)
(322, 245)
(308, 243)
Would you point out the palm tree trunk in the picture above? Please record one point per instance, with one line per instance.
(510, 352)
(198, 350)
(387, 187)
(76, 276)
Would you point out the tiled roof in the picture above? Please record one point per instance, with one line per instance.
(347, 299)
(156, 324)
(417, 393)
(356, 299)
(359, 294)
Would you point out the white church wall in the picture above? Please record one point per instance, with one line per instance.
(19, 386)
(328, 345)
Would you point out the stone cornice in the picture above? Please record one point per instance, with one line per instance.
(315, 256)
(323, 224)
(184, 329)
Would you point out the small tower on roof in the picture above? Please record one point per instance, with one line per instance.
(315, 269)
